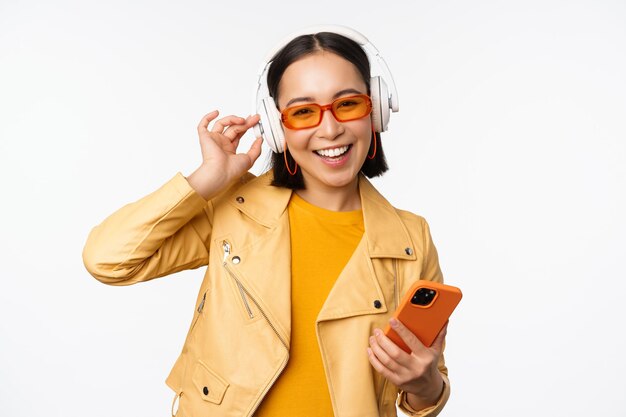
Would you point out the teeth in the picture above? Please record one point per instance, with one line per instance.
(332, 152)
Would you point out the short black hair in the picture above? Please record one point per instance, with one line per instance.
(298, 48)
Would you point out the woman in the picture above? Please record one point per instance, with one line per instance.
(306, 263)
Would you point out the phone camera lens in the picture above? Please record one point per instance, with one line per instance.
(423, 296)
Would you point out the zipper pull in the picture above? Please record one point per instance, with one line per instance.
(226, 247)
(201, 306)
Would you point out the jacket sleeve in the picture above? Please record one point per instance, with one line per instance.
(164, 232)
(431, 271)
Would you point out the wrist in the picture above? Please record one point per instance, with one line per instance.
(204, 183)
(426, 399)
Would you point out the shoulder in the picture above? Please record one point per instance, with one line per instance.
(419, 230)
(417, 227)
(232, 189)
(414, 223)
(412, 220)
(255, 197)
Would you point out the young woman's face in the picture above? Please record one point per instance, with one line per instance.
(321, 78)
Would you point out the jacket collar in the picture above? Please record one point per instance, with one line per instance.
(386, 238)
(357, 288)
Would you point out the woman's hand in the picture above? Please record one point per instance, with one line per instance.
(415, 372)
(220, 162)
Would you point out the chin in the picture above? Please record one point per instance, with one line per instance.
(339, 180)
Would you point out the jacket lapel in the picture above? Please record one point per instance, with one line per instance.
(267, 277)
(358, 286)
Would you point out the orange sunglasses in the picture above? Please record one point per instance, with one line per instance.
(344, 109)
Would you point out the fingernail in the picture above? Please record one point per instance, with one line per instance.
(393, 322)
(377, 332)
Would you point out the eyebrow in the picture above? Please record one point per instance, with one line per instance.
(335, 96)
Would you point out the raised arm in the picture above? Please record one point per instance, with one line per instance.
(169, 229)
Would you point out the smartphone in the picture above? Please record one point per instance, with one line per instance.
(424, 310)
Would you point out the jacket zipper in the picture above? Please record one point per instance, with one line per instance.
(201, 306)
(226, 247)
(267, 388)
(199, 310)
(244, 292)
(396, 297)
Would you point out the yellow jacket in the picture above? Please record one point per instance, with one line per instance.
(238, 341)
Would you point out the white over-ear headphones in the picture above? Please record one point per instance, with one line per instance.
(384, 95)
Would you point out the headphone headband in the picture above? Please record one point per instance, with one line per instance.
(341, 30)
(349, 33)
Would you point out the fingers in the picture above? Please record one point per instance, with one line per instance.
(376, 364)
(415, 370)
(235, 132)
(204, 123)
(438, 342)
(407, 336)
(225, 122)
(232, 123)
(227, 131)
(386, 352)
(255, 150)
(390, 361)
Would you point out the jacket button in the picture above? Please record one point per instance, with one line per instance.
(408, 251)
(240, 199)
(377, 304)
(236, 259)
(205, 390)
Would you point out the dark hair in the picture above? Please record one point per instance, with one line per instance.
(296, 49)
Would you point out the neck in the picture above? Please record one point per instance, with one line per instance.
(344, 198)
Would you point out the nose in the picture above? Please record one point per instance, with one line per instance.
(329, 128)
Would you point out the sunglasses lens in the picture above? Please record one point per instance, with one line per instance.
(301, 117)
(351, 108)
(344, 109)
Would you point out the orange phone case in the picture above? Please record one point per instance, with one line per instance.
(425, 321)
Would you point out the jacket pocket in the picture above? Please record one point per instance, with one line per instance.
(209, 385)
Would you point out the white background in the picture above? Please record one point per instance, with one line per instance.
(510, 140)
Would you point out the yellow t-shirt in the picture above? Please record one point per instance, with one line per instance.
(322, 242)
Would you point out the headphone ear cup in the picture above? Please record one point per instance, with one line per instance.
(380, 103)
(270, 125)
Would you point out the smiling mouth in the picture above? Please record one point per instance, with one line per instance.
(333, 153)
